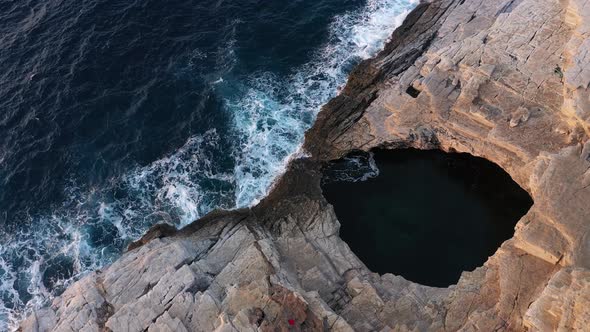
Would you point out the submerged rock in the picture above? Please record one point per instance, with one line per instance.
(453, 77)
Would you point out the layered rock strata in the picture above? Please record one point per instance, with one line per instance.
(506, 80)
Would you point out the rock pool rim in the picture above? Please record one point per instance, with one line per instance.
(450, 213)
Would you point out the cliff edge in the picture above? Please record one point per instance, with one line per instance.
(506, 80)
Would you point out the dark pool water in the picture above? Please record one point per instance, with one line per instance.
(424, 215)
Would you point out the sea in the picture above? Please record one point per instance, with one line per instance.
(118, 115)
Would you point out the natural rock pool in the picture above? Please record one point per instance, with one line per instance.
(427, 215)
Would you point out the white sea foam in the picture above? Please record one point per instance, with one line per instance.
(93, 226)
(273, 114)
(353, 168)
(270, 117)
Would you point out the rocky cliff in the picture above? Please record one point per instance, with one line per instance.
(506, 80)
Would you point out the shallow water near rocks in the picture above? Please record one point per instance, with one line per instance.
(424, 215)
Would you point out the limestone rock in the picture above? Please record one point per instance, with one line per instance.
(563, 304)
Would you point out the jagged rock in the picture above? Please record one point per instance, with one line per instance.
(506, 80)
(563, 304)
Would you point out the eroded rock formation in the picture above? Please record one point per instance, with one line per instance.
(506, 80)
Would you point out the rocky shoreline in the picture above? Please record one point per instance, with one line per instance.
(505, 80)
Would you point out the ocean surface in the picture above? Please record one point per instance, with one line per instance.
(117, 115)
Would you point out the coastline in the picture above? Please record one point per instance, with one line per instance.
(283, 260)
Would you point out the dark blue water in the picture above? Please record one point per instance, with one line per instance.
(116, 115)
